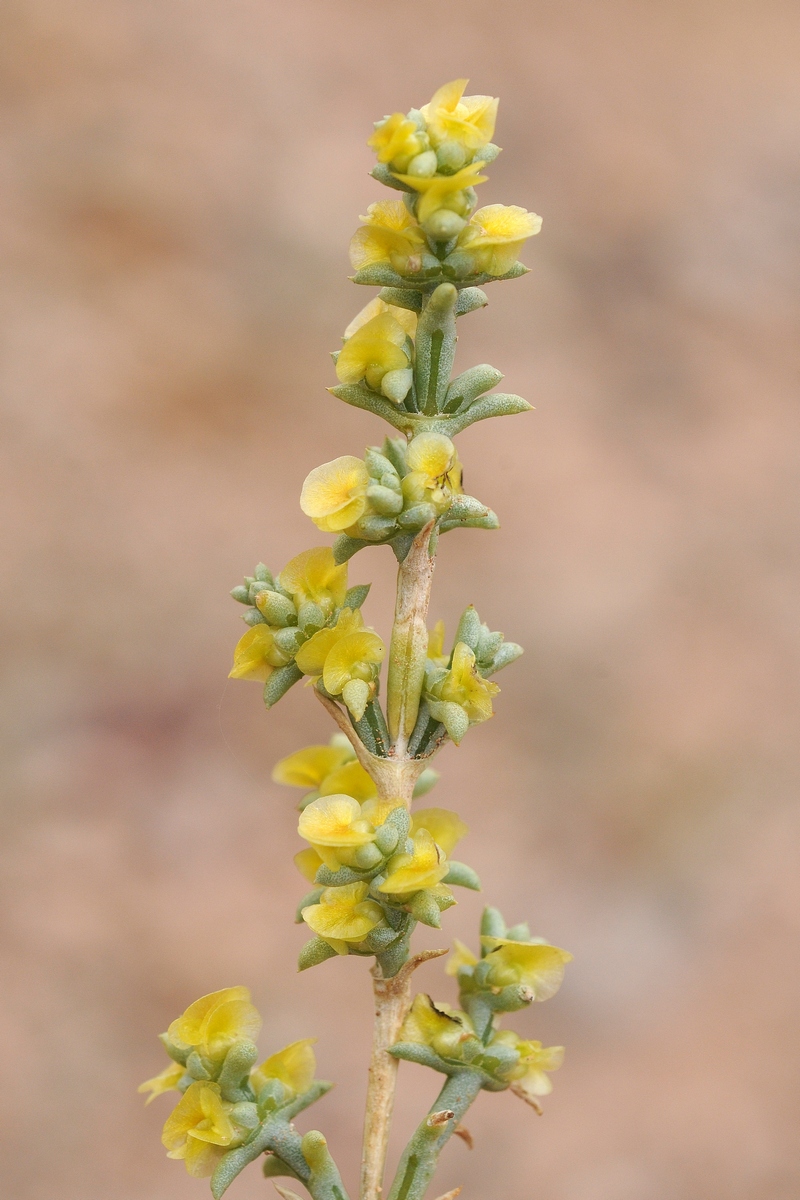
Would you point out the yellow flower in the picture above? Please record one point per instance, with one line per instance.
(374, 349)
(256, 656)
(344, 915)
(462, 697)
(312, 654)
(462, 956)
(217, 1020)
(452, 116)
(424, 868)
(315, 576)
(439, 1026)
(389, 235)
(351, 669)
(434, 471)
(403, 316)
(350, 778)
(495, 236)
(443, 191)
(308, 862)
(334, 494)
(334, 823)
(165, 1081)
(534, 964)
(436, 650)
(528, 1078)
(396, 140)
(199, 1129)
(446, 828)
(310, 767)
(294, 1066)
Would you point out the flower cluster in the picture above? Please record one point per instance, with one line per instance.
(227, 1102)
(435, 155)
(307, 622)
(513, 971)
(378, 869)
(391, 494)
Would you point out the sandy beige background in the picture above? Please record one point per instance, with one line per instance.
(180, 179)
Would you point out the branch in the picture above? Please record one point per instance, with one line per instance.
(421, 1155)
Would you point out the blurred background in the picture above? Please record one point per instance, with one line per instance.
(180, 181)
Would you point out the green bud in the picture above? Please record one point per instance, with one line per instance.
(492, 923)
(277, 609)
(367, 857)
(499, 1059)
(378, 465)
(416, 516)
(396, 385)
(386, 839)
(469, 628)
(345, 547)
(451, 157)
(310, 613)
(394, 449)
(279, 683)
(489, 153)
(384, 501)
(520, 932)
(444, 224)
(263, 574)
(245, 1113)
(423, 908)
(375, 528)
(253, 617)
(509, 652)
(423, 166)
(198, 1067)
(241, 594)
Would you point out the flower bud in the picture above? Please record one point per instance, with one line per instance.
(444, 224)
(423, 165)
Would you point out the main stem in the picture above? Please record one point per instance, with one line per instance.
(395, 777)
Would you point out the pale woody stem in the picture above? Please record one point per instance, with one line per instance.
(392, 999)
(395, 778)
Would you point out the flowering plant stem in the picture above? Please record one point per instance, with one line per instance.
(377, 869)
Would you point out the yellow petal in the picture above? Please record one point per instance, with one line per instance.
(309, 767)
(409, 873)
(462, 956)
(499, 223)
(439, 188)
(334, 821)
(377, 345)
(347, 655)
(316, 576)
(445, 827)
(294, 1066)
(432, 453)
(334, 494)
(344, 913)
(216, 1020)
(256, 655)
(404, 317)
(436, 644)
(352, 779)
(312, 654)
(200, 1115)
(165, 1081)
(439, 1026)
(308, 862)
(537, 965)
